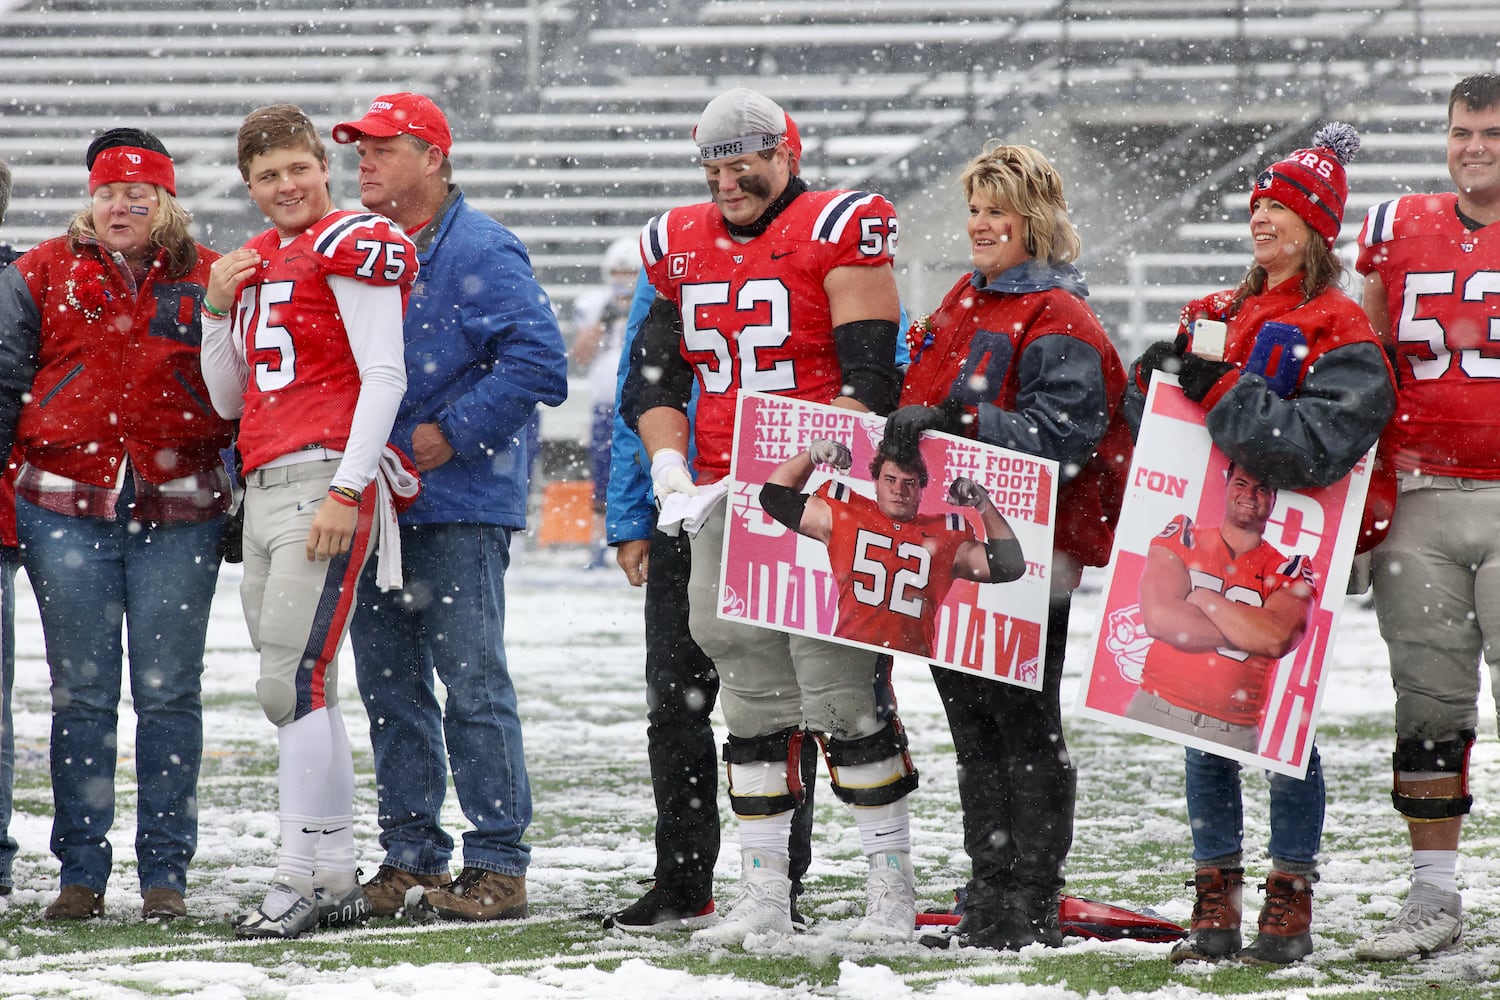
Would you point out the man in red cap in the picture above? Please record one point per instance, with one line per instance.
(482, 350)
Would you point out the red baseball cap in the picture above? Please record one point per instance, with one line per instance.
(399, 114)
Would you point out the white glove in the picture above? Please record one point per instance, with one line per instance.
(825, 452)
(669, 474)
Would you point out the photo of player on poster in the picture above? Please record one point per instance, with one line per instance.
(1222, 597)
(939, 551)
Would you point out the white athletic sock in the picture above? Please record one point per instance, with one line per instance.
(1438, 869)
(769, 836)
(302, 775)
(884, 829)
(335, 860)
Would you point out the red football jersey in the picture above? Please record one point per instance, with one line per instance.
(1442, 286)
(892, 575)
(303, 380)
(755, 315)
(1227, 684)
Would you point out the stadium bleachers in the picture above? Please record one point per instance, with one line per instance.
(571, 116)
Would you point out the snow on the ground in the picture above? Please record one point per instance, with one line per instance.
(576, 636)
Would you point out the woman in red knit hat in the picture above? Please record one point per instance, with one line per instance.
(1295, 389)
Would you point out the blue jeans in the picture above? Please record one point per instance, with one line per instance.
(9, 562)
(448, 620)
(91, 576)
(1216, 812)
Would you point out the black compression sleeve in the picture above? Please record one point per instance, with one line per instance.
(867, 357)
(1005, 558)
(659, 375)
(783, 503)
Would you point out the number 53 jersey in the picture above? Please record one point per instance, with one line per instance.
(1442, 288)
(304, 380)
(755, 314)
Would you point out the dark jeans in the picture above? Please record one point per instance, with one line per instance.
(681, 689)
(1016, 782)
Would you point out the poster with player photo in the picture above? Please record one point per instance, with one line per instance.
(1222, 597)
(943, 554)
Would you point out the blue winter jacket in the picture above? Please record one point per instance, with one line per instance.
(482, 350)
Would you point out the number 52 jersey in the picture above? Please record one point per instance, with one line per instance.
(755, 315)
(303, 380)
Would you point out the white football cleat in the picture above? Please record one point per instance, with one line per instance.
(1431, 920)
(890, 901)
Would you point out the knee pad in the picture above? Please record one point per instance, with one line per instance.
(1440, 756)
(277, 699)
(873, 770)
(752, 762)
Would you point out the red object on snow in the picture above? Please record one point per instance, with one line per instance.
(1086, 918)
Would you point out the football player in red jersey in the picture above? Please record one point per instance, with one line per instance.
(1432, 290)
(774, 287)
(893, 565)
(304, 347)
(1224, 606)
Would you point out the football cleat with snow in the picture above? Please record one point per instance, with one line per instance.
(349, 908)
(890, 901)
(1431, 920)
(299, 917)
(764, 905)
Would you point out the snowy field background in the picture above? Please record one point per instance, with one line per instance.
(576, 651)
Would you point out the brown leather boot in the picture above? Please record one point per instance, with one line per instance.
(1285, 922)
(1215, 933)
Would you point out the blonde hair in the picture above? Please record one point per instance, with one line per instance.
(1023, 179)
(277, 126)
(171, 231)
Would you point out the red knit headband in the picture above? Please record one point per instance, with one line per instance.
(132, 165)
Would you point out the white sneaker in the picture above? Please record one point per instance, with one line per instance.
(764, 905)
(301, 916)
(890, 901)
(1431, 920)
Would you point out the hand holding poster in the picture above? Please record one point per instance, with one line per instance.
(1222, 597)
(945, 555)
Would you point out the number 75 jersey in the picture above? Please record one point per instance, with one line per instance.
(755, 315)
(303, 381)
(1442, 287)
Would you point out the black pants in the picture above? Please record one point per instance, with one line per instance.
(1015, 779)
(681, 688)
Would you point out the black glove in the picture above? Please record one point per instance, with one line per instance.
(1198, 375)
(1160, 356)
(907, 423)
(231, 548)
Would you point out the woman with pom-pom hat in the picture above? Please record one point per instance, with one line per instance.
(1296, 388)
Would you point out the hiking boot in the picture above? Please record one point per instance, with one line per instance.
(1431, 920)
(162, 903)
(1215, 931)
(659, 911)
(301, 916)
(76, 902)
(764, 905)
(1285, 921)
(386, 892)
(349, 908)
(480, 894)
(890, 901)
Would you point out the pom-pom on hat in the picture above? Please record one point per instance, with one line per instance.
(129, 156)
(399, 114)
(741, 121)
(1311, 182)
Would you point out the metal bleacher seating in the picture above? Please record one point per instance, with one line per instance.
(571, 116)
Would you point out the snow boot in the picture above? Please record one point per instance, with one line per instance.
(1215, 930)
(1285, 921)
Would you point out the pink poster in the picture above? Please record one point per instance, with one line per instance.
(1222, 597)
(872, 566)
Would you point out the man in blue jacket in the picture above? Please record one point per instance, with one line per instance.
(482, 350)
